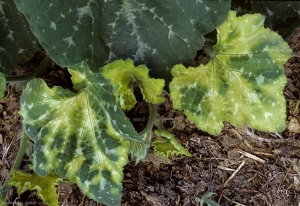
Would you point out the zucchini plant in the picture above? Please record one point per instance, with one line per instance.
(83, 136)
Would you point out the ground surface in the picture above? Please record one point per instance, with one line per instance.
(256, 168)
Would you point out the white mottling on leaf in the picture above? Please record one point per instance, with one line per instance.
(113, 24)
(266, 48)
(21, 51)
(84, 11)
(10, 36)
(53, 25)
(267, 115)
(260, 79)
(87, 183)
(102, 185)
(270, 13)
(70, 41)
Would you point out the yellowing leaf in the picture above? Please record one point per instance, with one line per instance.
(45, 186)
(169, 146)
(122, 73)
(242, 83)
(83, 136)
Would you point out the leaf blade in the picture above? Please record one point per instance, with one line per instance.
(82, 136)
(18, 44)
(169, 146)
(148, 31)
(243, 72)
(123, 73)
(45, 186)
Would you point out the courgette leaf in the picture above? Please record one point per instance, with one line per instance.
(242, 83)
(122, 73)
(168, 146)
(17, 42)
(45, 186)
(281, 16)
(159, 33)
(2, 86)
(83, 136)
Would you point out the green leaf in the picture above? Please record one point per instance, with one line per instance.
(139, 150)
(2, 86)
(159, 33)
(206, 198)
(17, 43)
(169, 146)
(242, 83)
(123, 73)
(282, 16)
(82, 136)
(45, 186)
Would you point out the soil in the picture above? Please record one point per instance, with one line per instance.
(241, 166)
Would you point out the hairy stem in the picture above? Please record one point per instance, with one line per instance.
(16, 165)
(152, 119)
(36, 73)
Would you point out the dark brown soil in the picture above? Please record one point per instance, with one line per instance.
(241, 166)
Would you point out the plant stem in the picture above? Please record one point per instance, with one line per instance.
(152, 118)
(35, 74)
(16, 165)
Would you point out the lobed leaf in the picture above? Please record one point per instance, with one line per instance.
(17, 42)
(2, 86)
(83, 136)
(123, 73)
(242, 83)
(169, 146)
(45, 186)
(159, 33)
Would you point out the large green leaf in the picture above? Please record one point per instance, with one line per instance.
(159, 33)
(123, 73)
(2, 86)
(45, 186)
(17, 43)
(82, 136)
(242, 83)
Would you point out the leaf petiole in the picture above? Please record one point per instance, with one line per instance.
(35, 74)
(16, 165)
